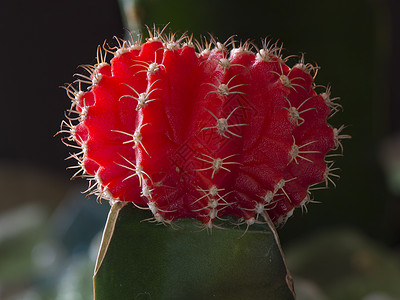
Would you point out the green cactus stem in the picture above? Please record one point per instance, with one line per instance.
(138, 260)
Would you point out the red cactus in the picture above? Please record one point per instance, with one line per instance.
(202, 134)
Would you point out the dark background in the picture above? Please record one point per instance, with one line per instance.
(356, 42)
(43, 42)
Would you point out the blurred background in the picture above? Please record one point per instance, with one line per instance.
(348, 247)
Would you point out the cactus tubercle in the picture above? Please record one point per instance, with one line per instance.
(202, 130)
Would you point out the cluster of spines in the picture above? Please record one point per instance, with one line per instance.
(214, 196)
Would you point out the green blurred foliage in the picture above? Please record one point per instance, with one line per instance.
(345, 264)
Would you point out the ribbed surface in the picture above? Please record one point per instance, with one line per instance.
(203, 132)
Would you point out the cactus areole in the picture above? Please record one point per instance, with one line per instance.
(202, 129)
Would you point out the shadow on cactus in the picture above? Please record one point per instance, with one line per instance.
(203, 130)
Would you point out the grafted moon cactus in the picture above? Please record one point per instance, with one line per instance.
(202, 130)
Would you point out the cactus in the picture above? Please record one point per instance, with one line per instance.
(191, 129)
